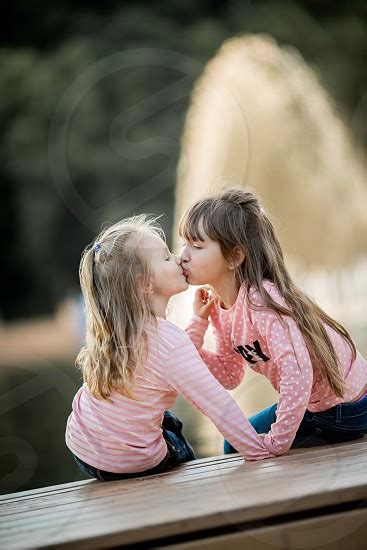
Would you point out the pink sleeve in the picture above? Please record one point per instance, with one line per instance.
(289, 353)
(188, 376)
(225, 364)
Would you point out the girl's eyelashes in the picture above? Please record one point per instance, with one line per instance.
(192, 244)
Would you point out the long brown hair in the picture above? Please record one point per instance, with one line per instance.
(235, 218)
(113, 271)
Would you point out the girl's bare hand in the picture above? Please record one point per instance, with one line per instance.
(204, 302)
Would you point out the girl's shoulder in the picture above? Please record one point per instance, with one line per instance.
(267, 285)
(165, 330)
(258, 301)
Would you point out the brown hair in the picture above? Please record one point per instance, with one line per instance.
(113, 271)
(235, 218)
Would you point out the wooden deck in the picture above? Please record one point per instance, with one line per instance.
(307, 498)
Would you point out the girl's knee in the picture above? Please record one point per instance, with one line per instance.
(228, 449)
(172, 422)
(262, 421)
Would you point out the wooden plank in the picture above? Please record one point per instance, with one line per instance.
(196, 496)
(292, 455)
(330, 532)
(185, 474)
(59, 500)
(20, 495)
(104, 485)
(204, 466)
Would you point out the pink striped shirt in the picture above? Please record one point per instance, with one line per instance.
(126, 435)
(258, 339)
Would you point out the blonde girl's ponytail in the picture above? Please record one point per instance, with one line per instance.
(112, 274)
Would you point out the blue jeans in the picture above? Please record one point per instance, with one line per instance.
(178, 451)
(343, 422)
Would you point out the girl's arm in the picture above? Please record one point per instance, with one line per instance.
(224, 363)
(289, 352)
(189, 376)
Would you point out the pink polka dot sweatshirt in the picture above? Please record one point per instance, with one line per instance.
(126, 435)
(278, 351)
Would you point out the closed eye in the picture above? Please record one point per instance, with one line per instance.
(191, 244)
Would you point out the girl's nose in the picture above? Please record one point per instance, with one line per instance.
(184, 255)
(178, 260)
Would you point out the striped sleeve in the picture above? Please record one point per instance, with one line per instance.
(189, 376)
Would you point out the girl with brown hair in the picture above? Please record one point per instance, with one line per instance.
(262, 319)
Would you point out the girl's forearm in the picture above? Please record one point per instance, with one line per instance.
(228, 367)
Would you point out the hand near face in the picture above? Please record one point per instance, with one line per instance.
(204, 302)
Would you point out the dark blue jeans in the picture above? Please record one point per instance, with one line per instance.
(343, 422)
(179, 450)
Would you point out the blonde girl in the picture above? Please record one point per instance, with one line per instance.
(135, 362)
(263, 320)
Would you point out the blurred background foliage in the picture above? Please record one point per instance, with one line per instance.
(44, 51)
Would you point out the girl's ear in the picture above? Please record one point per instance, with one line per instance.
(238, 257)
(147, 288)
(150, 287)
